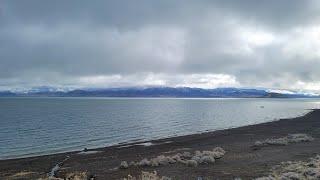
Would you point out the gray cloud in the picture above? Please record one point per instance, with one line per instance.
(71, 43)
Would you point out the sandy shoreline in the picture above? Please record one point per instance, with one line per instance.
(241, 159)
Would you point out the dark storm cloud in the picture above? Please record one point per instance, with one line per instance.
(130, 13)
(254, 43)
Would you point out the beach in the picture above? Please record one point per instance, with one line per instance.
(241, 160)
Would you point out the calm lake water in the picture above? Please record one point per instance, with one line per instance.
(37, 126)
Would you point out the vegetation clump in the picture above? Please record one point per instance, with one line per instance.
(147, 176)
(291, 138)
(299, 170)
(186, 158)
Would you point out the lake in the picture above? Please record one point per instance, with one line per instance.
(38, 126)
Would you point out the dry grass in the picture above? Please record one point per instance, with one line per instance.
(186, 158)
(297, 170)
(147, 176)
(70, 176)
(291, 138)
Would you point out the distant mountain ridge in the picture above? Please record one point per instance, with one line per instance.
(178, 92)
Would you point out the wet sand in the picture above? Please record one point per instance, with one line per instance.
(241, 159)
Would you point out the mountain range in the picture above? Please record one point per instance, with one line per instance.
(179, 92)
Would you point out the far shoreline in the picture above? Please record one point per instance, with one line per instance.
(160, 97)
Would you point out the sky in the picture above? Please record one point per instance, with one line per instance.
(206, 43)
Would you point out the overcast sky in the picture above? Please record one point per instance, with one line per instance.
(205, 43)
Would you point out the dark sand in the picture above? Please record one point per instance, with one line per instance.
(241, 160)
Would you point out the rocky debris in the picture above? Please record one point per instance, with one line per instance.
(147, 176)
(295, 170)
(186, 158)
(291, 138)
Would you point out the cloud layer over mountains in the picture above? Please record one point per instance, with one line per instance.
(207, 44)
